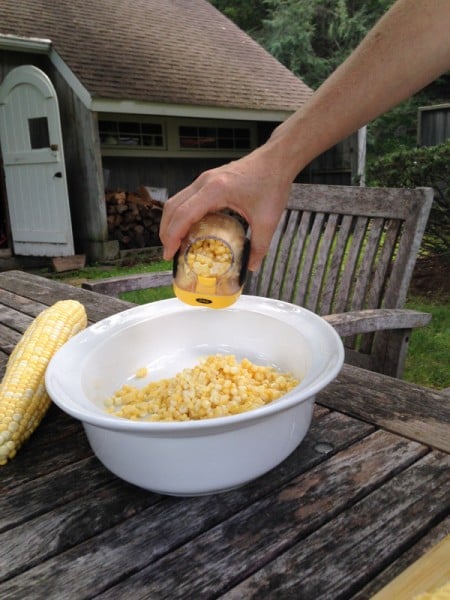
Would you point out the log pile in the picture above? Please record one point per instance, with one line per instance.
(133, 218)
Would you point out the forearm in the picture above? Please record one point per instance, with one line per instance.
(406, 50)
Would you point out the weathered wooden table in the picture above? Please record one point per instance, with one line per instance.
(365, 495)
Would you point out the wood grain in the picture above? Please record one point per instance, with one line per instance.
(336, 561)
(156, 530)
(428, 574)
(113, 286)
(266, 529)
(404, 408)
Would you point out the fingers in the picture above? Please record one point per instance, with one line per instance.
(251, 191)
(168, 234)
(211, 191)
(261, 236)
(178, 217)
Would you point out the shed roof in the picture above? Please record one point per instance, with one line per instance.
(182, 52)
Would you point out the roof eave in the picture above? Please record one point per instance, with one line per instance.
(25, 44)
(106, 105)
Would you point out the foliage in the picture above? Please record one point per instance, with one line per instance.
(395, 129)
(247, 14)
(425, 166)
(310, 37)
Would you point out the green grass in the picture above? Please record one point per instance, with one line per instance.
(102, 271)
(144, 296)
(428, 358)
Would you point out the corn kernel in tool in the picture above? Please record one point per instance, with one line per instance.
(211, 265)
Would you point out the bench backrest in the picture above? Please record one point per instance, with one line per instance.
(344, 248)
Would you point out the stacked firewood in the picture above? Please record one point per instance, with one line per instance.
(133, 218)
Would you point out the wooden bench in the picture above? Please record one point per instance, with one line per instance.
(346, 253)
(113, 286)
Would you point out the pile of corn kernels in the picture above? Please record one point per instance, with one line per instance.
(218, 386)
(209, 257)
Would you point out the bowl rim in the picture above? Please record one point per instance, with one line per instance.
(285, 311)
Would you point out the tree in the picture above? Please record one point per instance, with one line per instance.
(312, 37)
(249, 15)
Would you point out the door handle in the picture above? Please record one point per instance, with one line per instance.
(58, 174)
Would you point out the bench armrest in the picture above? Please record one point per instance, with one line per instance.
(370, 320)
(113, 286)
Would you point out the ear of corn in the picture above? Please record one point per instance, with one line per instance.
(23, 397)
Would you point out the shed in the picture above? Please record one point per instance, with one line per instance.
(121, 93)
(433, 124)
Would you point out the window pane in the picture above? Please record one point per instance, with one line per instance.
(129, 140)
(188, 142)
(125, 127)
(225, 143)
(188, 131)
(131, 133)
(107, 126)
(242, 144)
(151, 128)
(39, 134)
(207, 131)
(225, 132)
(215, 138)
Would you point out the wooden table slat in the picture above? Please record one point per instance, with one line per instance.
(15, 320)
(8, 339)
(411, 410)
(268, 528)
(341, 432)
(327, 564)
(58, 441)
(98, 306)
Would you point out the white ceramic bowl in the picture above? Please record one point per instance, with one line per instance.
(205, 456)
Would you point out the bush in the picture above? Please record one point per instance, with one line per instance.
(420, 167)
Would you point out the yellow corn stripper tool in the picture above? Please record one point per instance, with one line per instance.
(210, 266)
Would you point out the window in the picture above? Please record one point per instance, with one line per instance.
(131, 134)
(221, 138)
(39, 135)
(156, 135)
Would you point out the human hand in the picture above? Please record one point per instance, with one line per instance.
(252, 186)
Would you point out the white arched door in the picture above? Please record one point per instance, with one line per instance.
(33, 159)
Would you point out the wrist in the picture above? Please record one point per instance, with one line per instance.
(287, 148)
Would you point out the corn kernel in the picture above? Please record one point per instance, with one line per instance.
(141, 373)
(209, 257)
(218, 386)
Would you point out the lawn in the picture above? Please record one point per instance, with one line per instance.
(428, 359)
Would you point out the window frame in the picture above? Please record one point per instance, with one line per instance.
(171, 146)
